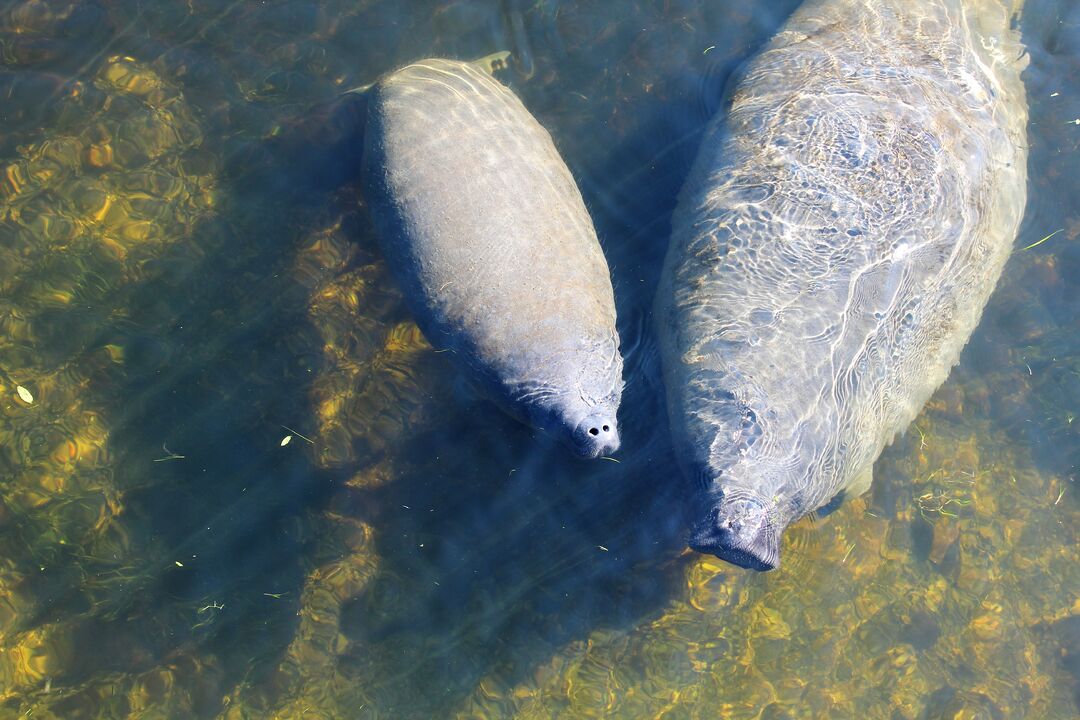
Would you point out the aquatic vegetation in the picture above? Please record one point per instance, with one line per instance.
(87, 210)
(377, 370)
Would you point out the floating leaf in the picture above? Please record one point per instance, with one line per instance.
(286, 440)
(24, 395)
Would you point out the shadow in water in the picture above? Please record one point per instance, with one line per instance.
(496, 550)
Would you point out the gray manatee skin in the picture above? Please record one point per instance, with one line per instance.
(832, 250)
(484, 228)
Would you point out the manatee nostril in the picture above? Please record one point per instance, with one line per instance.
(606, 428)
(594, 431)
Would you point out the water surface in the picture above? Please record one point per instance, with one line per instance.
(188, 278)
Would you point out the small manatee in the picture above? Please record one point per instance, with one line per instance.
(833, 248)
(485, 230)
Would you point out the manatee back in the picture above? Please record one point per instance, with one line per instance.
(482, 223)
(838, 238)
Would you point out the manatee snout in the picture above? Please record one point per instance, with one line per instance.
(596, 435)
(740, 529)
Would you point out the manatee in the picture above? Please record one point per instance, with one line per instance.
(832, 249)
(485, 230)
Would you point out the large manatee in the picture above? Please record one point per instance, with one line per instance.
(832, 250)
(482, 224)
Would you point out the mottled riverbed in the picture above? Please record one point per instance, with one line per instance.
(235, 482)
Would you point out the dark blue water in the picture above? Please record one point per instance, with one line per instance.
(188, 277)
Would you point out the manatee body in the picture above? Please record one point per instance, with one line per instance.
(832, 250)
(484, 227)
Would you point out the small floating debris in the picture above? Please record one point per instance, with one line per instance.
(178, 563)
(603, 548)
(169, 455)
(1054, 94)
(297, 434)
(286, 440)
(24, 395)
(1037, 243)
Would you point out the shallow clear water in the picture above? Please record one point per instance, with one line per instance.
(188, 277)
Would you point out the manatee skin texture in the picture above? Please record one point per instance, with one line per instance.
(832, 250)
(486, 232)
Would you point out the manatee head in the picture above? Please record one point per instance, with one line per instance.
(589, 430)
(741, 527)
(576, 401)
(749, 455)
(587, 427)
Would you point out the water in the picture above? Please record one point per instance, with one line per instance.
(188, 277)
